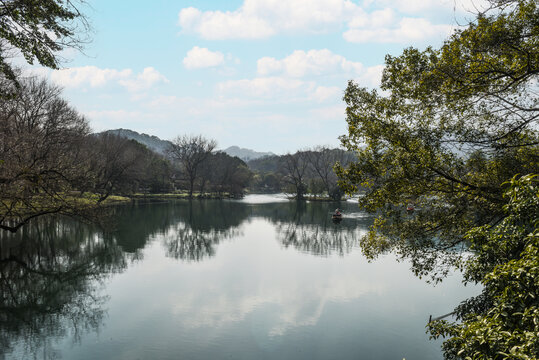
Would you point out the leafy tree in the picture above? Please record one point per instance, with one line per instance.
(452, 125)
(268, 175)
(228, 174)
(267, 182)
(266, 164)
(503, 321)
(39, 29)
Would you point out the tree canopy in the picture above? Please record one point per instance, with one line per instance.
(449, 127)
(501, 322)
(39, 29)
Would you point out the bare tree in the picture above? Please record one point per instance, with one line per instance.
(296, 168)
(116, 163)
(41, 154)
(321, 161)
(190, 152)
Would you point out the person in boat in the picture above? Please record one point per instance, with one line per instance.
(337, 212)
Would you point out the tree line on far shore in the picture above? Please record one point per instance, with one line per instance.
(50, 162)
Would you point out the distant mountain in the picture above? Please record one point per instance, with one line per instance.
(152, 142)
(246, 154)
(161, 146)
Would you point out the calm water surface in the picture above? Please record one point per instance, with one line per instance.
(261, 278)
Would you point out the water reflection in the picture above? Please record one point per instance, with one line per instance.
(192, 229)
(49, 277)
(135, 223)
(200, 226)
(52, 272)
(307, 226)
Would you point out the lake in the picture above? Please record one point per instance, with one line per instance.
(261, 277)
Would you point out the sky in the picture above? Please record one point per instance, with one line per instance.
(268, 75)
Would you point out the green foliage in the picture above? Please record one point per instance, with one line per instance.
(226, 174)
(38, 29)
(451, 126)
(506, 326)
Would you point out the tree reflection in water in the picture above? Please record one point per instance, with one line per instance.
(317, 239)
(50, 276)
(202, 226)
(309, 228)
(52, 271)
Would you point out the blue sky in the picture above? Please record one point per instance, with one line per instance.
(263, 74)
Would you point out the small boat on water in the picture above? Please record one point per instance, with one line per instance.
(336, 216)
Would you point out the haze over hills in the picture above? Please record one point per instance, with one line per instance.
(161, 146)
(151, 142)
(246, 154)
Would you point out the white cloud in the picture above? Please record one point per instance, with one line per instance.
(267, 87)
(329, 113)
(372, 76)
(376, 19)
(202, 58)
(224, 25)
(320, 62)
(257, 19)
(408, 30)
(269, 65)
(323, 93)
(369, 22)
(36, 71)
(144, 80)
(432, 6)
(92, 75)
(312, 62)
(283, 89)
(96, 77)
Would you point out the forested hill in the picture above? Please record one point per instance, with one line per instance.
(151, 142)
(266, 164)
(246, 154)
